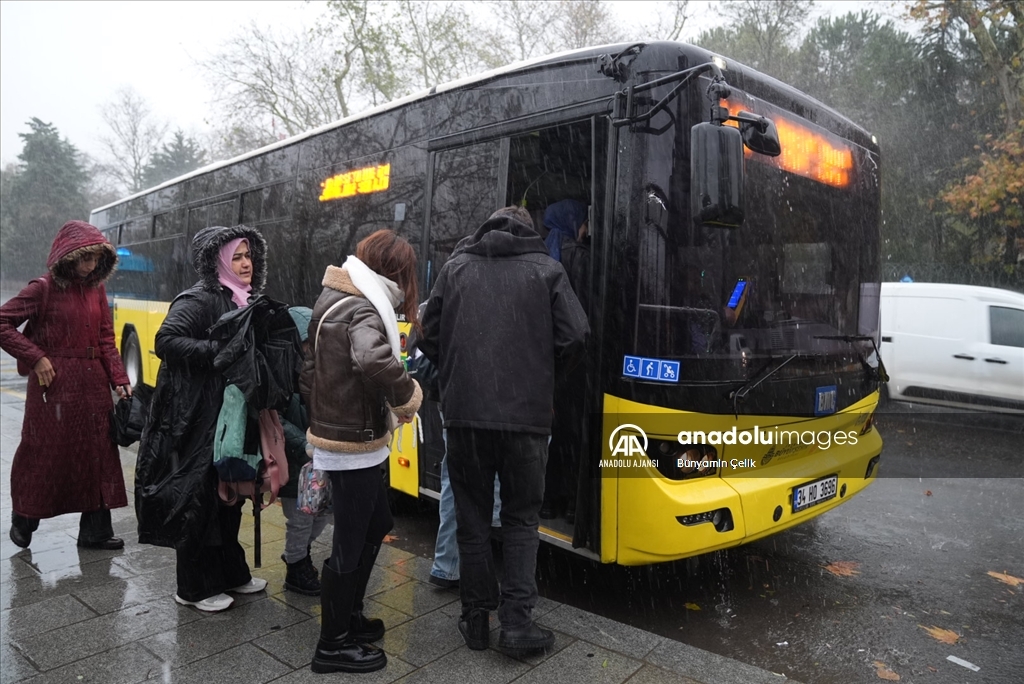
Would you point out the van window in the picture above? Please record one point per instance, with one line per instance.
(1007, 326)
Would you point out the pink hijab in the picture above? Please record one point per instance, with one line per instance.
(239, 290)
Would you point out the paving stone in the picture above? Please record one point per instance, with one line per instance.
(415, 598)
(383, 579)
(394, 670)
(125, 665)
(389, 555)
(221, 631)
(423, 639)
(585, 663)
(53, 613)
(145, 558)
(244, 664)
(476, 667)
(58, 582)
(706, 666)
(648, 674)
(601, 631)
(119, 594)
(294, 644)
(415, 567)
(83, 639)
(13, 666)
(14, 568)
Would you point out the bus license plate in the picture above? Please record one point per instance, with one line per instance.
(815, 492)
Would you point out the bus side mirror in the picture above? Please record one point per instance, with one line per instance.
(761, 136)
(716, 175)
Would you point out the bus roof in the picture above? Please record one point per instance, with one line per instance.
(566, 56)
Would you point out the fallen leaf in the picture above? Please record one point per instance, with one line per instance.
(605, 663)
(692, 606)
(843, 568)
(939, 634)
(388, 538)
(933, 669)
(1006, 579)
(884, 672)
(927, 492)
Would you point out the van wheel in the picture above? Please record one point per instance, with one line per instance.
(131, 355)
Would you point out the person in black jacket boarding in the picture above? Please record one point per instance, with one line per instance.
(501, 321)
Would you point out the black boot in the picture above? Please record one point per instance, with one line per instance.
(337, 651)
(364, 629)
(301, 578)
(475, 628)
(528, 638)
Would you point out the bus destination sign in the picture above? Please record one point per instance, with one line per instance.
(358, 182)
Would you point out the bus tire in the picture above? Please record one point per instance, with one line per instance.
(131, 356)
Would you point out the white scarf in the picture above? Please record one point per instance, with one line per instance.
(384, 294)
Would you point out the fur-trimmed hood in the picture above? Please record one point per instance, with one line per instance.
(206, 249)
(74, 239)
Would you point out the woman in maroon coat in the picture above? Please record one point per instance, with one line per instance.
(66, 462)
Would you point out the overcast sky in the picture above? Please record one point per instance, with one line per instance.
(60, 61)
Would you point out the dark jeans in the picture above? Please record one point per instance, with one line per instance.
(218, 563)
(361, 515)
(519, 458)
(93, 526)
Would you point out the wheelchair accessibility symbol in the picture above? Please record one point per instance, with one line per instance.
(644, 368)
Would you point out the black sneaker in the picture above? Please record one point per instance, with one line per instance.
(20, 538)
(443, 583)
(475, 629)
(302, 578)
(528, 638)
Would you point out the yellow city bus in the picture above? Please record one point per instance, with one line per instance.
(731, 376)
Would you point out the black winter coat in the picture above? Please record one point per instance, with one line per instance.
(175, 483)
(500, 321)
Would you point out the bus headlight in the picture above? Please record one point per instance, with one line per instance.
(683, 461)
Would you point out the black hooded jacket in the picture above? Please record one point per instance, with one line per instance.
(175, 483)
(501, 320)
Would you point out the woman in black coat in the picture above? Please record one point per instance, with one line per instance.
(176, 497)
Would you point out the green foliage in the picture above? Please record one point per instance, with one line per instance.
(173, 159)
(39, 195)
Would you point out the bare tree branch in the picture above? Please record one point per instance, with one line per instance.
(135, 136)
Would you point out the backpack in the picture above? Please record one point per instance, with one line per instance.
(247, 474)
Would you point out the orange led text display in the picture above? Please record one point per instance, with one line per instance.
(358, 182)
(806, 152)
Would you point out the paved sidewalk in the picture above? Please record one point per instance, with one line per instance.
(71, 615)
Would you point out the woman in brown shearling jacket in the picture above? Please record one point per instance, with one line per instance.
(356, 388)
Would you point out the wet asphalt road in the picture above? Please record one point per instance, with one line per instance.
(947, 509)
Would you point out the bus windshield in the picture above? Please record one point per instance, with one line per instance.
(803, 267)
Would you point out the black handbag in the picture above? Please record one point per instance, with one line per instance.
(128, 417)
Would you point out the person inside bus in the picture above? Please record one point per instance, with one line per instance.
(176, 498)
(357, 389)
(567, 243)
(66, 461)
(300, 529)
(499, 322)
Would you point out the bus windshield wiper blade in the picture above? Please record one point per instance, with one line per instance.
(879, 373)
(751, 384)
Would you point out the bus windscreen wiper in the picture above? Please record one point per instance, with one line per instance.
(751, 384)
(879, 373)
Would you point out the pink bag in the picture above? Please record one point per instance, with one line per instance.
(273, 471)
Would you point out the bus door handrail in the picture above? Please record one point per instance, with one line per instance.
(685, 75)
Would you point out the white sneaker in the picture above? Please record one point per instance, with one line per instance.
(251, 587)
(214, 604)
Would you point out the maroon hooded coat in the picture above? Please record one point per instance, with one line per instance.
(66, 462)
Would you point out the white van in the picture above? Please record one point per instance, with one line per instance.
(958, 345)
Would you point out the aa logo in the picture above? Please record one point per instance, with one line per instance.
(629, 441)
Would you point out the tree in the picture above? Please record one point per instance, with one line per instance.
(39, 195)
(521, 30)
(275, 85)
(136, 135)
(985, 203)
(769, 25)
(582, 23)
(175, 158)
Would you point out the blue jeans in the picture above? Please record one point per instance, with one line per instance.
(446, 549)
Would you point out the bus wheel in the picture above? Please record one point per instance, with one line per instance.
(131, 355)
